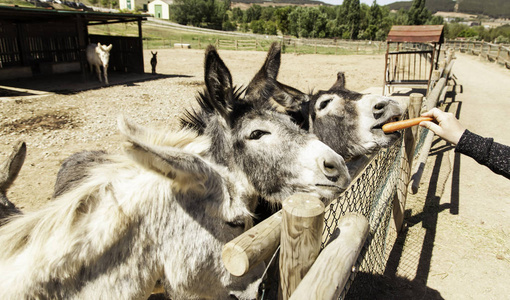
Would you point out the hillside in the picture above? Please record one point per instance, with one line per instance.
(281, 2)
(493, 8)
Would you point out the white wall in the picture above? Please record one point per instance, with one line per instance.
(165, 9)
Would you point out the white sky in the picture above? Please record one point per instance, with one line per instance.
(369, 2)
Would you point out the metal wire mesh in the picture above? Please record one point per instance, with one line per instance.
(372, 196)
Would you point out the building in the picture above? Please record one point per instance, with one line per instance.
(133, 4)
(160, 8)
(41, 42)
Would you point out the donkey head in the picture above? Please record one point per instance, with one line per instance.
(347, 121)
(270, 154)
(213, 217)
(350, 122)
(103, 52)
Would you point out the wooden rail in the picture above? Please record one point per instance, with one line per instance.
(436, 95)
(497, 53)
(327, 277)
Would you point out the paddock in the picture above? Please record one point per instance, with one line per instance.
(59, 124)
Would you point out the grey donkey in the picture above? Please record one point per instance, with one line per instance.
(9, 170)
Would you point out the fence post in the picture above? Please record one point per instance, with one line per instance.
(410, 135)
(301, 237)
(332, 269)
(499, 52)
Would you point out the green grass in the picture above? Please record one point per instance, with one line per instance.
(155, 37)
(19, 3)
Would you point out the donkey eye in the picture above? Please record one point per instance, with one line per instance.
(324, 103)
(257, 134)
(236, 223)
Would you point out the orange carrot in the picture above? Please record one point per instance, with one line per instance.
(394, 126)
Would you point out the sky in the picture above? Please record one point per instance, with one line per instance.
(369, 2)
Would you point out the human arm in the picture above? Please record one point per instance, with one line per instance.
(484, 150)
(447, 127)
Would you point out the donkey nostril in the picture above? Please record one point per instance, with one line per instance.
(380, 105)
(331, 169)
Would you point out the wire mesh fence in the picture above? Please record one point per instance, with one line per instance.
(372, 196)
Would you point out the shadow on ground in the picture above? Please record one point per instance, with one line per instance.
(72, 83)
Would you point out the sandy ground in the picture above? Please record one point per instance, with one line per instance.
(457, 242)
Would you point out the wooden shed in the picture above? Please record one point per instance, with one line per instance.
(36, 41)
(412, 54)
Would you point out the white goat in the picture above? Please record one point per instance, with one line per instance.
(98, 55)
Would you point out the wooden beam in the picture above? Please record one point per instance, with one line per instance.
(327, 277)
(302, 223)
(254, 246)
(410, 135)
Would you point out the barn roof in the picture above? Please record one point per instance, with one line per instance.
(417, 34)
(35, 15)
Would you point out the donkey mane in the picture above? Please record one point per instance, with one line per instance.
(197, 120)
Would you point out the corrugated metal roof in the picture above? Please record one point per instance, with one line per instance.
(417, 34)
(19, 14)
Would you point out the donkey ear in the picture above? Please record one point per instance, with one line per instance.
(187, 170)
(273, 60)
(269, 71)
(10, 168)
(340, 82)
(218, 82)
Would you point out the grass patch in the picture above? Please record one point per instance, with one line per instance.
(157, 37)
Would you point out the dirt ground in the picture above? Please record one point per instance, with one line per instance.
(457, 242)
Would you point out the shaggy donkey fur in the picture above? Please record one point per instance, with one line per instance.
(9, 170)
(165, 210)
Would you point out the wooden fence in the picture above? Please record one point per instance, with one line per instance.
(497, 53)
(323, 248)
(289, 45)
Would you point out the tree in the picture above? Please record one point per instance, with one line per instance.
(257, 26)
(353, 18)
(253, 13)
(281, 15)
(418, 13)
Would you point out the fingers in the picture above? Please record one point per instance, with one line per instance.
(431, 126)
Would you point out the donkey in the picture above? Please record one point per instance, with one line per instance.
(154, 61)
(347, 121)
(167, 206)
(98, 56)
(9, 170)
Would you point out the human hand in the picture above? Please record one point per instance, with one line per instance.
(447, 127)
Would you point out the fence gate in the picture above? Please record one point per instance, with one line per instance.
(412, 54)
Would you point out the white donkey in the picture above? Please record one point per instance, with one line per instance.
(167, 206)
(98, 56)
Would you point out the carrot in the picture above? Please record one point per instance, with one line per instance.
(394, 126)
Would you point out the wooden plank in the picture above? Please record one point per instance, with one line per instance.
(327, 277)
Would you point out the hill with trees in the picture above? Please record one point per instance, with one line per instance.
(493, 8)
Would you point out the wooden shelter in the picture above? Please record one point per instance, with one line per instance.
(411, 56)
(36, 41)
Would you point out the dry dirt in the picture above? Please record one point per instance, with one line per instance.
(457, 245)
